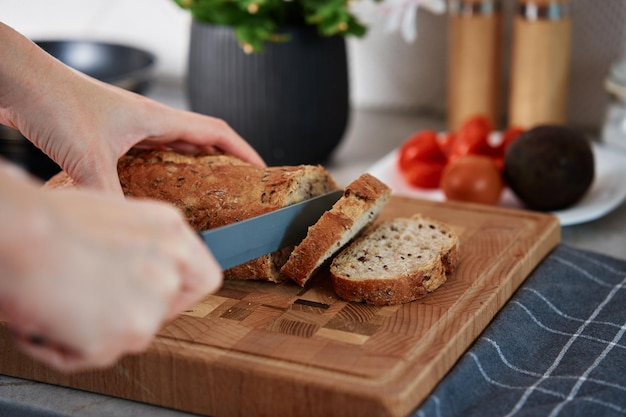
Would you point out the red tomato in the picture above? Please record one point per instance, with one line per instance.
(472, 178)
(446, 140)
(499, 162)
(472, 137)
(421, 147)
(476, 126)
(424, 174)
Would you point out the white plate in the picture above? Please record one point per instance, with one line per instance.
(607, 191)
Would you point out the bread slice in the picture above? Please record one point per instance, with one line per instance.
(360, 205)
(397, 261)
(213, 190)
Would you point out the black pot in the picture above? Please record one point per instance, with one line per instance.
(291, 101)
(120, 65)
(19, 150)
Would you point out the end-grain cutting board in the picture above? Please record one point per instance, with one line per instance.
(262, 349)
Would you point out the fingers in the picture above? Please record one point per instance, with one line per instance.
(108, 183)
(199, 279)
(97, 173)
(196, 270)
(56, 355)
(67, 359)
(192, 132)
(230, 142)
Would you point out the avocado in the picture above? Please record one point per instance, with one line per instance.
(549, 167)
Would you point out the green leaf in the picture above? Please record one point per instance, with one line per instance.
(259, 21)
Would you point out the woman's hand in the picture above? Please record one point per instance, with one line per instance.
(105, 122)
(86, 125)
(88, 277)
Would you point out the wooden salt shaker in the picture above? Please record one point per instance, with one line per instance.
(474, 34)
(540, 62)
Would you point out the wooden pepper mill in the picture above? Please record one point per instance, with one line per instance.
(540, 63)
(474, 33)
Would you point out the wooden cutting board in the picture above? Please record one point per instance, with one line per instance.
(262, 349)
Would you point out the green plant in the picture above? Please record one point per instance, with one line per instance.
(258, 21)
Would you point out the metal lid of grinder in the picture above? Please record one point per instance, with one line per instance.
(474, 7)
(533, 10)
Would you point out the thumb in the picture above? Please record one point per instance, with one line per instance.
(103, 178)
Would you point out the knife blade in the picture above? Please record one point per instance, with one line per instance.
(240, 242)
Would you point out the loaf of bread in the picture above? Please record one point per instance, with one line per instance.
(215, 190)
(360, 205)
(396, 261)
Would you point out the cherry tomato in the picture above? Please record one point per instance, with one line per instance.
(446, 140)
(472, 178)
(472, 138)
(424, 174)
(477, 126)
(421, 147)
(499, 162)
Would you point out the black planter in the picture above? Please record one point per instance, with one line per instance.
(291, 101)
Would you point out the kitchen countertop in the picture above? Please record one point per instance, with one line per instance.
(371, 134)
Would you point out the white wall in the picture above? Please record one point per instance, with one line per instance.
(159, 26)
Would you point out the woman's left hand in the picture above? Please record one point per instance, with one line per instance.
(88, 148)
(86, 125)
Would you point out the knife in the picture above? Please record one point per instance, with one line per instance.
(240, 242)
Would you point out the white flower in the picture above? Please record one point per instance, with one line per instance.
(398, 14)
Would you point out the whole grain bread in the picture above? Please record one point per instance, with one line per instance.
(360, 205)
(213, 190)
(396, 261)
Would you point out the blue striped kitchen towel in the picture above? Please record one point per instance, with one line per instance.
(557, 348)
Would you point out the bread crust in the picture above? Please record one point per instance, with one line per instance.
(366, 195)
(387, 291)
(214, 190)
